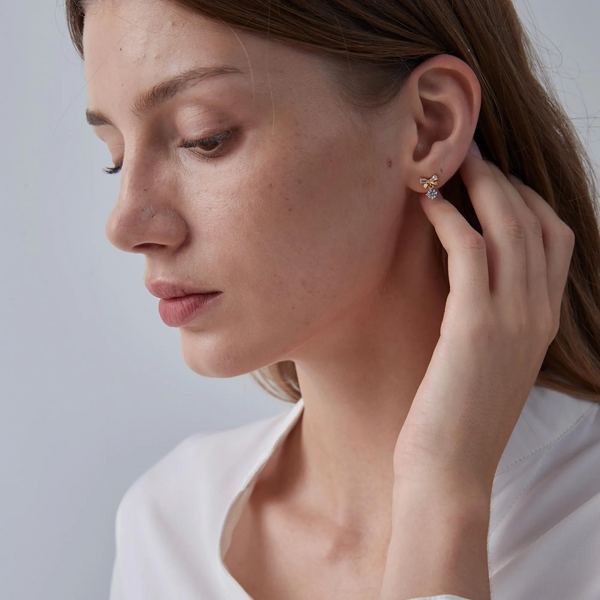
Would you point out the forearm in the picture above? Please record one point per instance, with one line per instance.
(438, 543)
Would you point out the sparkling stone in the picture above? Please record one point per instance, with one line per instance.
(432, 193)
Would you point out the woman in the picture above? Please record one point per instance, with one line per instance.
(280, 170)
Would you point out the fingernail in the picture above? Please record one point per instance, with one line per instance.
(474, 149)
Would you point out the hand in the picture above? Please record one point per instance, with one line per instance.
(501, 315)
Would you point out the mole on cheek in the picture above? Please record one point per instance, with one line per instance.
(389, 162)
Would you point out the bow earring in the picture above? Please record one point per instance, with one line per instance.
(430, 183)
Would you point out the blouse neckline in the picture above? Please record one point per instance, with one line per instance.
(283, 424)
(547, 416)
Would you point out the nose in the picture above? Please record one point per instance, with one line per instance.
(146, 216)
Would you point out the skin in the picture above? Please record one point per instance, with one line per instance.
(311, 224)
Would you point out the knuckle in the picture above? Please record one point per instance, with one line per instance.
(547, 322)
(544, 321)
(535, 225)
(472, 241)
(518, 324)
(554, 329)
(513, 227)
(481, 328)
(567, 233)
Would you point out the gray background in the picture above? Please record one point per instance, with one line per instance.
(93, 387)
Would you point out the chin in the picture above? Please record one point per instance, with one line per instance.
(213, 358)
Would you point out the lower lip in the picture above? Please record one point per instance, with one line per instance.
(176, 312)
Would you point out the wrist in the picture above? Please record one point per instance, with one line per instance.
(460, 487)
(450, 501)
(439, 541)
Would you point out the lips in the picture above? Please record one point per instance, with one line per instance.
(179, 311)
(167, 289)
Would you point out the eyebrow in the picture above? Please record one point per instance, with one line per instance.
(165, 90)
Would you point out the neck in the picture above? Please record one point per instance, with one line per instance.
(358, 380)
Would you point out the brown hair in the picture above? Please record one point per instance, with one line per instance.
(522, 128)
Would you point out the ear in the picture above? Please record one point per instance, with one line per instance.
(444, 99)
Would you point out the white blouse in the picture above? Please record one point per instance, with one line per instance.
(174, 524)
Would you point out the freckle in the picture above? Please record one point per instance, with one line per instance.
(270, 185)
(145, 189)
(389, 162)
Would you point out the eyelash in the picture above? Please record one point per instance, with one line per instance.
(220, 137)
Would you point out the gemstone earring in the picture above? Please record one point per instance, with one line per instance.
(430, 183)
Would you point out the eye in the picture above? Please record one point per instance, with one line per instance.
(209, 154)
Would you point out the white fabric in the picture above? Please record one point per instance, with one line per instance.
(174, 524)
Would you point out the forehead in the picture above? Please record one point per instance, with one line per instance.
(131, 45)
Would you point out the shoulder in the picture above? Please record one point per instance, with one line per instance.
(548, 418)
(171, 470)
(200, 468)
(555, 434)
(176, 509)
(546, 504)
(566, 460)
(161, 490)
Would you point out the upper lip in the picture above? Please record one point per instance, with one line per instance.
(167, 289)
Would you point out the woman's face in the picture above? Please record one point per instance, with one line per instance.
(295, 219)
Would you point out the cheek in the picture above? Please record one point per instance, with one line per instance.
(302, 239)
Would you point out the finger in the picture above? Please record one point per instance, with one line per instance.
(537, 278)
(559, 242)
(502, 230)
(467, 258)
